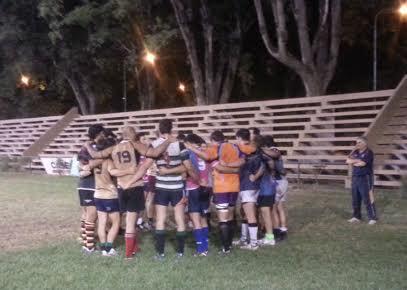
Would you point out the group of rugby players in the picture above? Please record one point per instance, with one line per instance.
(133, 175)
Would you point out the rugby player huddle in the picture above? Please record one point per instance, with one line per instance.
(134, 174)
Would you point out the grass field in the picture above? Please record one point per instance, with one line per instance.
(39, 225)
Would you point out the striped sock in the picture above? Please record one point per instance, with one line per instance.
(90, 235)
(83, 232)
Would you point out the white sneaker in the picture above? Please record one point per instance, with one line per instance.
(112, 253)
(86, 251)
(104, 253)
(267, 242)
(249, 247)
(372, 222)
(353, 220)
(240, 242)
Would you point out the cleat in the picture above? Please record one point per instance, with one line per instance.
(353, 220)
(240, 242)
(159, 257)
(224, 252)
(249, 247)
(203, 254)
(372, 222)
(179, 256)
(266, 242)
(87, 251)
(112, 253)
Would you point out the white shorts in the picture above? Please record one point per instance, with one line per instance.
(248, 195)
(282, 188)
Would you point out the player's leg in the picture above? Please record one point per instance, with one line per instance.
(194, 211)
(249, 198)
(266, 214)
(231, 216)
(82, 236)
(283, 219)
(161, 201)
(114, 218)
(102, 221)
(150, 209)
(90, 227)
(179, 215)
(204, 206)
(221, 202)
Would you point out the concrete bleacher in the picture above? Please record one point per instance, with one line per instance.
(17, 135)
(316, 134)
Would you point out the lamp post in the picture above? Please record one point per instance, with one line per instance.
(150, 58)
(124, 85)
(402, 11)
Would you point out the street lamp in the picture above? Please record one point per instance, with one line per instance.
(403, 12)
(182, 87)
(150, 57)
(25, 80)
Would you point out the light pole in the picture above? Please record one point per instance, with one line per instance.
(149, 58)
(125, 85)
(402, 11)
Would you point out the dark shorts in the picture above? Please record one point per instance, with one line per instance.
(265, 200)
(107, 205)
(132, 199)
(198, 200)
(225, 200)
(166, 197)
(86, 197)
(149, 186)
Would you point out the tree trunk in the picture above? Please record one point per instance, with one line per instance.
(318, 57)
(79, 94)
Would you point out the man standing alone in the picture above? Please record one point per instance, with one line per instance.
(361, 160)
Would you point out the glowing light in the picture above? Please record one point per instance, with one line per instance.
(403, 9)
(182, 87)
(150, 57)
(25, 80)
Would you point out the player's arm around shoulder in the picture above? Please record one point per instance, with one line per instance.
(106, 153)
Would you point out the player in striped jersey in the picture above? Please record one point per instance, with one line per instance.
(169, 189)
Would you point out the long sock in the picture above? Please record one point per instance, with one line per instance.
(83, 232)
(205, 239)
(90, 235)
(160, 241)
(108, 246)
(253, 233)
(180, 236)
(102, 246)
(224, 235)
(231, 226)
(244, 230)
(198, 240)
(130, 239)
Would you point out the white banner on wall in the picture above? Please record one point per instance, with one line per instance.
(59, 165)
